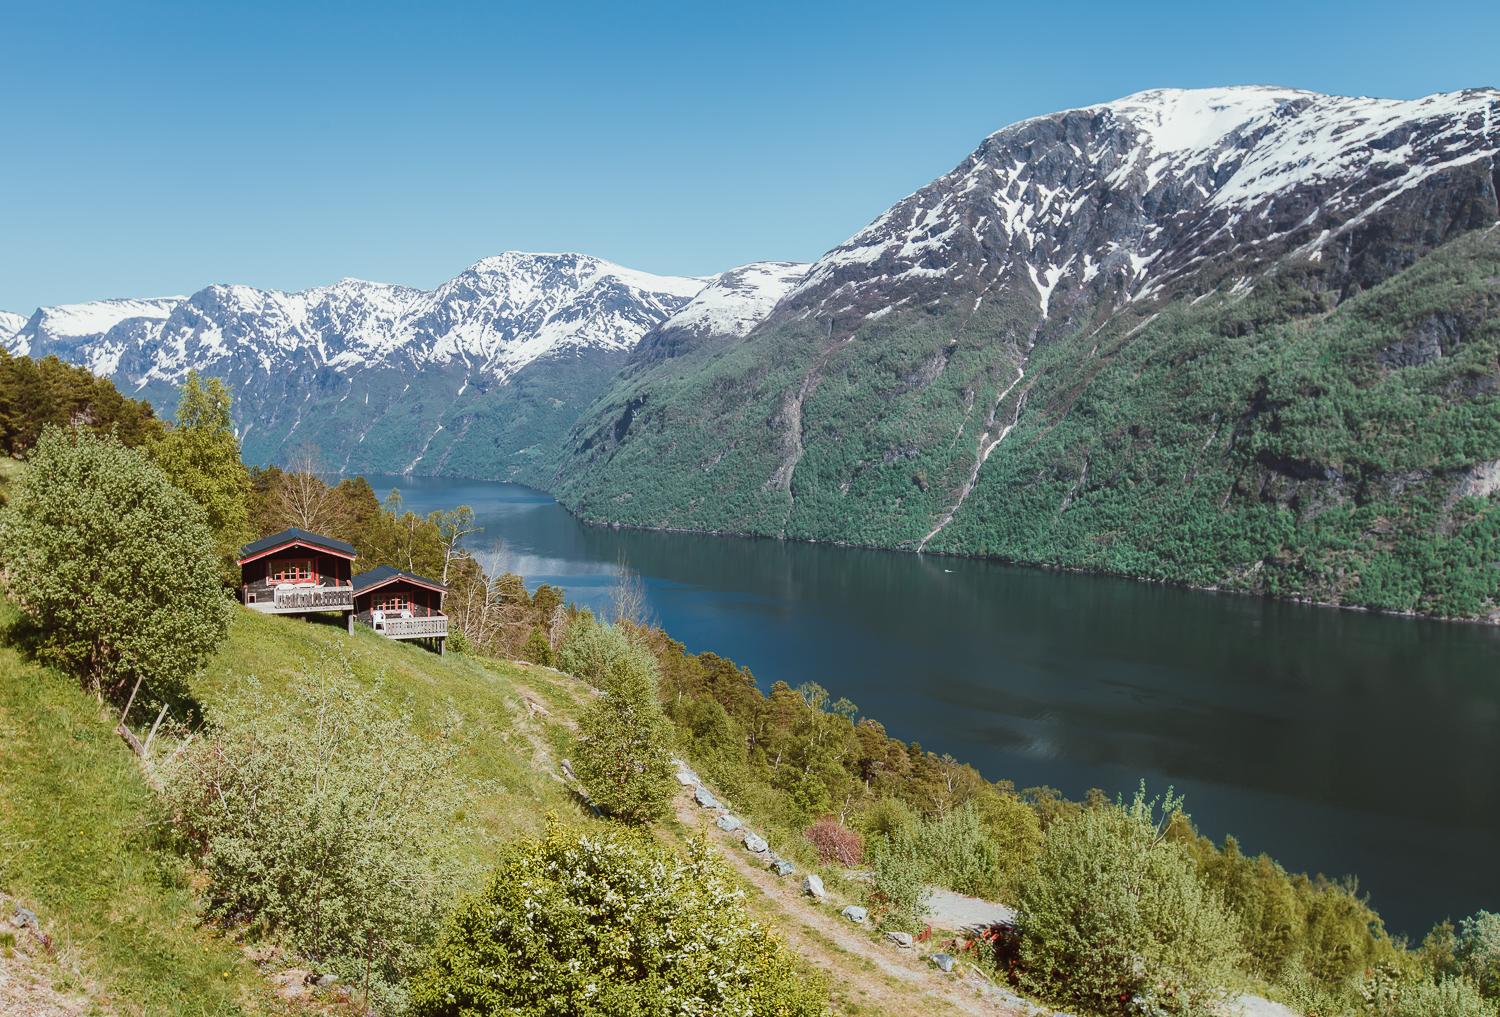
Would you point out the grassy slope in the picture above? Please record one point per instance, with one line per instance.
(76, 843)
(75, 840)
(75, 846)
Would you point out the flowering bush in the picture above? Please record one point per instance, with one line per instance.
(836, 843)
(605, 924)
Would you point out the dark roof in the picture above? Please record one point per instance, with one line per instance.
(382, 574)
(295, 536)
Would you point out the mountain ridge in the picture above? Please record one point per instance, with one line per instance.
(888, 393)
(886, 399)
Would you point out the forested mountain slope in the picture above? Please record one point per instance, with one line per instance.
(1237, 337)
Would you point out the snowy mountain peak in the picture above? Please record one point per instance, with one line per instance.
(494, 318)
(1132, 195)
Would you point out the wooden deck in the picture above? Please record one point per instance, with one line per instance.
(422, 627)
(302, 599)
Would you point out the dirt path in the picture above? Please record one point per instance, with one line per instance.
(906, 981)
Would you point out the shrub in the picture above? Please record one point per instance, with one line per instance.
(595, 651)
(1477, 952)
(600, 925)
(959, 853)
(1451, 997)
(836, 844)
(622, 757)
(888, 817)
(113, 566)
(537, 649)
(318, 823)
(1115, 919)
(898, 887)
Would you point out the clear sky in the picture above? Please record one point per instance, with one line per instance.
(154, 148)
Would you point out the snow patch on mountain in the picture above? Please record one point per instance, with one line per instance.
(10, 324)
(1133, 193)
(739, 299)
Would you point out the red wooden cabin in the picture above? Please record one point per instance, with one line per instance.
(297, 572)
(400, 605)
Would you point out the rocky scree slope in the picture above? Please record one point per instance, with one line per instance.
(1235, 337)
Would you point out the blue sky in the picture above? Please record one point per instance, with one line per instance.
(154, 148)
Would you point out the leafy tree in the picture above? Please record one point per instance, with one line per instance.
(1116, 920)
(201, 455)
(625, 738)
(320, 823)
(610, 925)
(113, 565)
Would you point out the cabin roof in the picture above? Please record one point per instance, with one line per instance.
(289, 537)
(380, 575)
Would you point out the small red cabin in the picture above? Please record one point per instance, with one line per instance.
(297, 572)
(400, 605)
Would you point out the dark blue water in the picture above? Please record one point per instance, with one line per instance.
(1339, 742)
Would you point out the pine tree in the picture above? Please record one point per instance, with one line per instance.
(622, 758)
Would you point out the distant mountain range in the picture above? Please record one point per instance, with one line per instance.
(1239, 337)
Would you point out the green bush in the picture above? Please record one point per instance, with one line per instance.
(113, 566)
(625, 738)
(958, 852)
(595, 651)
(1115, 919)
(898, 886)
(319, 823)
(608, 925)
(1477, 952)
(1451, 997)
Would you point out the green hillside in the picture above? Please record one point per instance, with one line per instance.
(78, 844)
(1271, 439)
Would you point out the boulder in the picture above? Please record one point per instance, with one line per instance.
(782, 867)
(687, 778)
(705, 798)
(727, 822)
(855, 914)
(756, 843)
(901, 939)
(812, 885)
(567, 769)
(945, 962)
(25, 919)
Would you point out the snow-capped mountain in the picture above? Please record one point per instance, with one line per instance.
(1120, 200)
(495, 318)
(1139, 336)
(507, 328)
(729, 307)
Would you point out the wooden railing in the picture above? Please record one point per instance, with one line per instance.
(414, 628)
(310, 598)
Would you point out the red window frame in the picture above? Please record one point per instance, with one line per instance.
(396, 602)
(292, 570)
